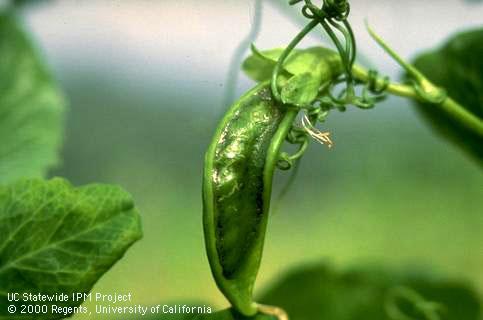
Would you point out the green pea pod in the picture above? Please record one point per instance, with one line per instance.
(239, 167)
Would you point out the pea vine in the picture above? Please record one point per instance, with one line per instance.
(297, 90)
(333, 16)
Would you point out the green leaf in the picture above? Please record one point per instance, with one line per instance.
(458, 68)
(269, 56)
(303, 72)
(31, 107)
(230, 314)
(316, 59)
(320, 292)
(55, 238)
(301, 89)
(259, 66)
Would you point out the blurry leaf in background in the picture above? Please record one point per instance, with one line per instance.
(230, 314)
(26, 2)
(31, 107)
(320, 292)
(227, 314)
(55, 238)
(164, 311)
(457, 67)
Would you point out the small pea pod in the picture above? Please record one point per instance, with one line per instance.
(237, 183)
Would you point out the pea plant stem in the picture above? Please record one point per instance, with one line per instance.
(448, 105)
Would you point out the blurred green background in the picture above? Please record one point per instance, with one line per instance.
(145, 81)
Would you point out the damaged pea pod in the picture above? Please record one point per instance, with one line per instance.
(237, 183)
(240, 163)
